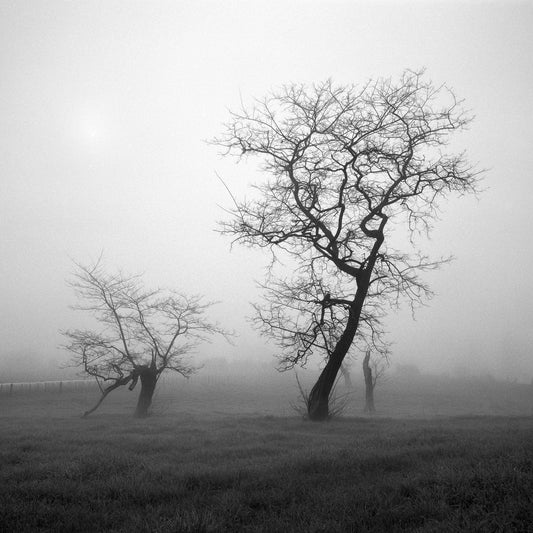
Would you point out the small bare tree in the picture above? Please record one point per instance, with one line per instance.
(346, 168)
(143, 333)
(373, 370)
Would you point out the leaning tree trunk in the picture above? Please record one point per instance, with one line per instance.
(318, 402)
(148, 377)
(369, 385)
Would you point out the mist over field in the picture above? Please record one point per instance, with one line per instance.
(106, 110)
(209, 212)
(229, 453)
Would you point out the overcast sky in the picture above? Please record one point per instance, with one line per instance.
(105, 108)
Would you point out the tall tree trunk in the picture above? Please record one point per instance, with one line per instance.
(148, 378)
(369, 385)
(318, 403)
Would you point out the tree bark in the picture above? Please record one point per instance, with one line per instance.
(148, 378)
(318, 403)
(369, 385)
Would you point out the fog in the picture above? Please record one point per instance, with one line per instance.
(106, 107)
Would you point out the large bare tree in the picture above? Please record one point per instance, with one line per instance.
(345, 167)
(141, 333)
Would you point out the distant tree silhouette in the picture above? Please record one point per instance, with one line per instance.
(142, 333)
(373, 371)
(345, 371)
(346, 165)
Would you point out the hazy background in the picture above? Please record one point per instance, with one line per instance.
(105, 107)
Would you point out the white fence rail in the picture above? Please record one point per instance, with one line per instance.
(47, 386)
(224, 380)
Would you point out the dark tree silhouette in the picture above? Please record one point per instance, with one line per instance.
(345, 167)
(142, 333)
(373, 370)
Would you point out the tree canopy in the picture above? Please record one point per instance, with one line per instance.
(344, 165)
(142, 333)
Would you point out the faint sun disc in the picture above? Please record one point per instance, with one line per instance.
(91, 130)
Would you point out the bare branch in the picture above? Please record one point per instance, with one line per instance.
(343, 166)
(142, 331)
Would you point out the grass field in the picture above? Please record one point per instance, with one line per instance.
(218, 459)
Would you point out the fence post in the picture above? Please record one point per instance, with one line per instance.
(60, 387)
(11, 389)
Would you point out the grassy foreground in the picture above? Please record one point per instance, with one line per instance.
(182, 473)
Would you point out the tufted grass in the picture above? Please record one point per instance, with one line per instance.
(176, 472)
